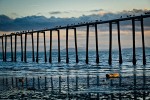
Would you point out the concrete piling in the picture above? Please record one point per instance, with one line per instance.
(110, 43)
(5, 47)
(119, 44)
(67, 56)
(50, 51)
(37, 49)
(58, 46)
(11, 48)
(33, 59)
(15, 59)
(76, 48)
(96, 40)
(87, 44)
(143, 41)
(45, 47)
(133, 38)
(25, 48)
(21, 47)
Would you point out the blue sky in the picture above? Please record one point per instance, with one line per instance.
(18, 15)
(67, 8)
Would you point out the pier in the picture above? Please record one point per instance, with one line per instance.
(16, 35)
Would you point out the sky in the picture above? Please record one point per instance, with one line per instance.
(20, 15)
(67, 8)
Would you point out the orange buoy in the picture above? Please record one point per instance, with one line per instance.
(112, 75)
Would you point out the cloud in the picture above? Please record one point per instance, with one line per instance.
(57, 12)
(41, 22)
(96, 10)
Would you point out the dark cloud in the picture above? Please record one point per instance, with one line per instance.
(41, 22)
(57, 12)
(96, 10)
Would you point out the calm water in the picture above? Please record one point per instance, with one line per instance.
(76, 81)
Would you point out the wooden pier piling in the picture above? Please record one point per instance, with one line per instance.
(87, 44)
(143, 43)
(67, 56)
(133, 35)
(11, 48)
(5, 47)
(33, 59)
(110, 43)
(15, 59)
(45, 47)
(96, 38)
(50, 50)
(58, 46)
(119, 44)
(21, 47)
(25, 48)
(76, 48)
(37, 50)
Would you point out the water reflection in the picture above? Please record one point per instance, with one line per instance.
(77, 86)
